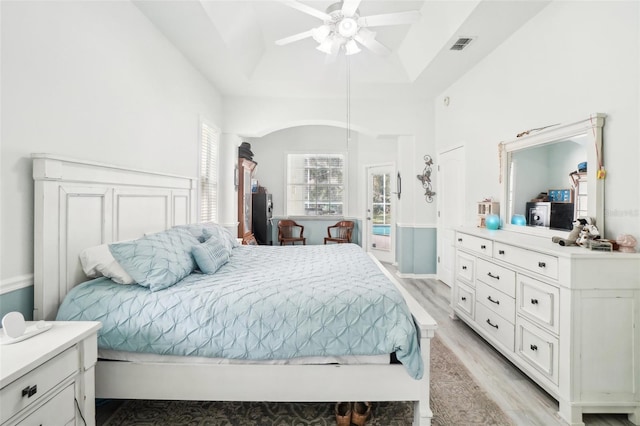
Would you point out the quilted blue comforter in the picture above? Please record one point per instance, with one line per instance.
(265, 303)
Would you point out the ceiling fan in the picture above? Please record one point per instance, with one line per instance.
(344, 29)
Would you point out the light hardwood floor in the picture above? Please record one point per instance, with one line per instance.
(520, 398)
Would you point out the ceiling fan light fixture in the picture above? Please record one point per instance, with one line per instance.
(321, 33)
(351, 47)
(348, 27)
(326, 46)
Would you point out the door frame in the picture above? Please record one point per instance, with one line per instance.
(441, 190)
(367, 224)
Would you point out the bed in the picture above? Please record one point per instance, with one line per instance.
(80, 204)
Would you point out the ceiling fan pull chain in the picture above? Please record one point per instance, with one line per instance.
(348, 99)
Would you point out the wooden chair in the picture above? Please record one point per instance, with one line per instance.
(340, 232)
(290, 232)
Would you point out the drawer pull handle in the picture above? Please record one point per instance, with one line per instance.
(542, 265)
(492, 325)
(497, 277)
(483, 247)
(533, 347)
(29, 391)
(463, 298)
(497, 302)
(534, 301)
(459, 240)
(464, 268)
(500, 251)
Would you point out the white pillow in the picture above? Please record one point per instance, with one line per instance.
(98, 261)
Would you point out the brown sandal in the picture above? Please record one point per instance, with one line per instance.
(343, 413)
(361, 412)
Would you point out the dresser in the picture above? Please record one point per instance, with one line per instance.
(48, 379)
(568, 317)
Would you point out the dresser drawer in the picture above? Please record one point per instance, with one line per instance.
(475, 244)
(32, 386)
(465, 265)
(500, 329)
(497, 301)
(539, 302)
(59, 410)
(464, 300)
(540, 263)
(538, 348)
(496, 276)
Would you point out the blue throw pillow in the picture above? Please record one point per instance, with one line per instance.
(206, 230)
(220, 234)
(210, 255)
(158, 260)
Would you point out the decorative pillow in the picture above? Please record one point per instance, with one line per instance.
(194, 229)
(97, 262)
(158, 260)
(210, 255)
(220, 233)
(204, 231)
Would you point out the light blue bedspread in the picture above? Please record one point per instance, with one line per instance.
(265, 303)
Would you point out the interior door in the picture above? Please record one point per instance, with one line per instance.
(451, 185)
(380, 218)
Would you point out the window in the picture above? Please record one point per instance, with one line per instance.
(209, 139)
(315, 184)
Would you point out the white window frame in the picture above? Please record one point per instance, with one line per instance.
(345, 174)
(209, 146)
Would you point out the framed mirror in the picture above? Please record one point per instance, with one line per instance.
(552, 176)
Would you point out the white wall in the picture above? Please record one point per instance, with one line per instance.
(571, 60)
(91, 80)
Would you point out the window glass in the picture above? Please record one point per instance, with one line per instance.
(315, 184)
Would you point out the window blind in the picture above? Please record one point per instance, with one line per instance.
(210, 137)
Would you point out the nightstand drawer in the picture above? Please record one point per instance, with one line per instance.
(465, 267)
(464, 299)
(534, 261)
(59, 410)
(538, 348)
(539, 302)
(497, 301)
(500, 329)
(473, 243)
(32, 386)
(496, 276)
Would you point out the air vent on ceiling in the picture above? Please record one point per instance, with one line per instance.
(461, 43)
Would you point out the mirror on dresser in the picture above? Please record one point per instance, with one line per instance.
(550, 177)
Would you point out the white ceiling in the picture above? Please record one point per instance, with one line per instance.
(232, 42)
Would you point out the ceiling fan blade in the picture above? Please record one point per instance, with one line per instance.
(349, 7)
(306, 9)
(295, 37)
(372, 44)
(397, 18)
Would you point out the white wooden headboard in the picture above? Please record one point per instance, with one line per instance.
(80, 204)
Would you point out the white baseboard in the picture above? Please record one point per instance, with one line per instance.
(416, 276)
(16, 283)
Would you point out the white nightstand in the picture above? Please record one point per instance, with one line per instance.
(49, 378)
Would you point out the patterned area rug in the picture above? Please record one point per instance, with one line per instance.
(455, 400)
